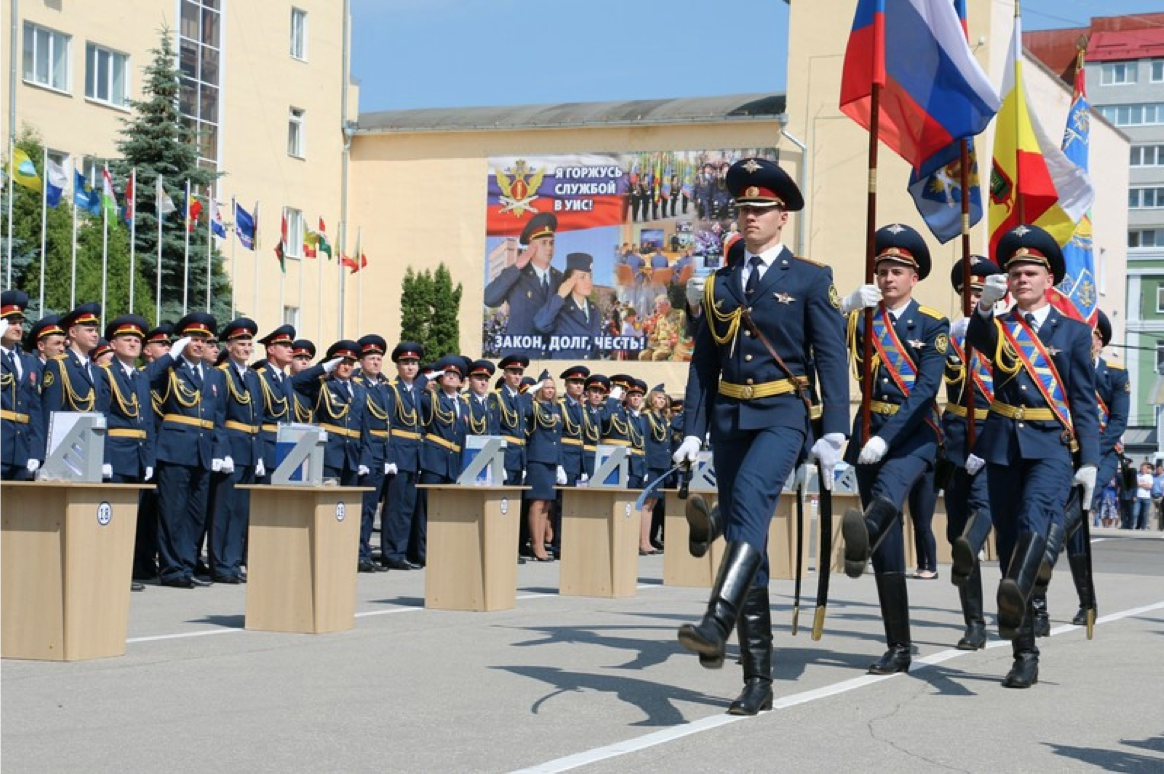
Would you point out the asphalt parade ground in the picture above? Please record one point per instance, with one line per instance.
(573, 683)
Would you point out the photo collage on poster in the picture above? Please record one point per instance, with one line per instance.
(588, 255)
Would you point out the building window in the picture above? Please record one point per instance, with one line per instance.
(296, 132)
(1146, 238)
(1146, 114)
(106, 75)
(298, 34)
(200, 84)
(46, 57)
(293, 247)
(1117, 73)
(1147, 155)
(1160, 298)
(1160, 358)
(1145, 198)
(1157, 71)
(291, 316)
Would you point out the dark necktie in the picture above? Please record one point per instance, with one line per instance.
(1030, 318)
(546, 282)
(10, 361)
(754, 276)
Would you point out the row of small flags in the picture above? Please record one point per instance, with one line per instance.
(89, 199)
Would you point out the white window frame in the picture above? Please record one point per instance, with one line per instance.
(1118, 73)
(1160, 298)
(54, 39)
(1146, 156)
(297, 133)
(92, 52)
(298, 34)
(1156, 68)
(291, 316)
(1135, 114)
(1138, 196)
(293, 247)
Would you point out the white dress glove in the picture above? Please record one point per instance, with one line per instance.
(1086, 477)
(32, 466)
(827, 452)
(616, 392)
(386, 466)
(178, 347)
(228, 464)
(390, 469)
(688, 451)
(149, 474)
(583, 478)
(330, 365)
(560, 476)
(958, 328)
(864, 297)
(974, 464)
(695, 287)
(362, 470)
(107, 471)
(3, 326)
(260, 469)
(993, 290)
(873, 451)
(216, 465)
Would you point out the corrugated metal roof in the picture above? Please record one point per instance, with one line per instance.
(732, 107)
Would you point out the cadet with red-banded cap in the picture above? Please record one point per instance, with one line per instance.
(403, 467)
(278, 395)
(338, 404)
(22, 425)
(376, 388)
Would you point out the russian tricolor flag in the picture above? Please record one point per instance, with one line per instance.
(932, 90)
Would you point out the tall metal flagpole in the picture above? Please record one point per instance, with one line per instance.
(73, 279)
(186, 259)
(302, 271)
(867, 386)
(255, 254)
(319, 313)
(13, 43)
(360, 281)
(43, 222)
(131, 210)
(104, 243)
(212, 203)
(161, 192)
(233, 263)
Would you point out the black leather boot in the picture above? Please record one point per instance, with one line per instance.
(970, 593)
(1014, 593)
(1079, 575)
(754, 628)
(964, 555)
(1042, 623)
(1025, 671)
(1055, 537)
(709, 636)
(895, 614)
(703, 524)
(863, 531)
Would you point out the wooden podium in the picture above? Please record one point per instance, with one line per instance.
(302, 550)
(680, 568)
(600, 542)
(471, 561)
(66, 564)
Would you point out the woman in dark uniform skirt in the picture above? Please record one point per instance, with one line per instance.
(657, 448)
(543, 467)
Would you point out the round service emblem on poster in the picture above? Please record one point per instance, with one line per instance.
(504, 506)
(340, 511)
(104, 513)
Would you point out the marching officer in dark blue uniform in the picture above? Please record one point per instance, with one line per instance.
(243, 419)
(528, 285)
(1044, 413)
(482, 420)
(910, 342)
(403, 467)
(338, 405)
(376, 387)
(278, 404)
(191, 446)
(22, 425)
(570, 321)
(761, 320)
(967, 497)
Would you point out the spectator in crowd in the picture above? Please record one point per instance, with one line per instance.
(1142, 506)
(1127, 482)
(1109, 506)
(1158, 493)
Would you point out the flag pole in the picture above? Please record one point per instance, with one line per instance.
(968, 388)
(131, 205)
(73, 280)
(302, 267)
(255, 252)
(186, 259)
(1020, 204)
(213, 205)
(11, 166)
(283, 268)
(43, 221)
(870, 249)
(104, 244)
(360, 281)
(319, 312)
(158, 212)
(233, 263)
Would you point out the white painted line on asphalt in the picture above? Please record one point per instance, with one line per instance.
(182, 635)
(706, 724)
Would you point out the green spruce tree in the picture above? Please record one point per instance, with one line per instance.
(429, 308)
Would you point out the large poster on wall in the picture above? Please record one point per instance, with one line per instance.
(588, 255)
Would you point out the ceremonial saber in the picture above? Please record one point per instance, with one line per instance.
(648, 490)
(825, 550)
(1085, 526)
(802, 484)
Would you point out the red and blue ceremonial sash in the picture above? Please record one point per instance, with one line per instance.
(1039, 366)
(895, 360)
(1104, 413)
(979, 369)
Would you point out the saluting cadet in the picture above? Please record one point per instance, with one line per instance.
(22, 428)
(191, 445)
(45, 340)
(338, 405)
(597, 411)
(543, 462)
(1043, 414)
(243, 419)
(967, 497)
(761, 320)
(278, 395)
(482, 420)
(302, 353)
(376, 388)
(909, 343)
(621, 426)
(403, 459)
(569, 316)
(528, 285)
(68, 381)
(446, 422)
(510, 406)
(574, 424)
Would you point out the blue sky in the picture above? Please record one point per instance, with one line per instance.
(459, 53)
